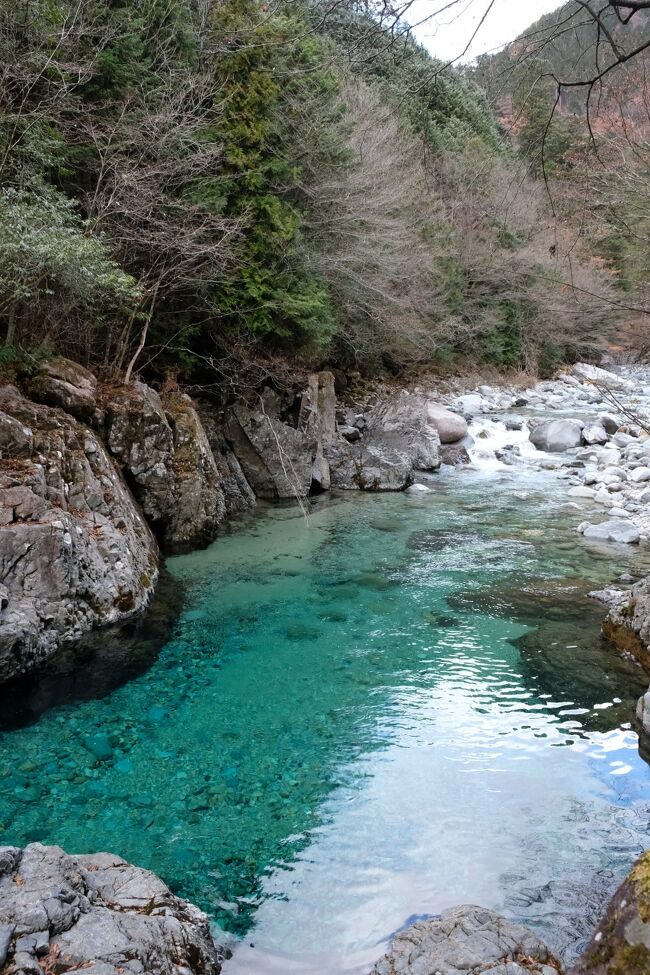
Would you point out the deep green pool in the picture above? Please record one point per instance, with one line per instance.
(397, 705)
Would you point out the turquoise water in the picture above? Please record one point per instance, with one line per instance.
(398, 704)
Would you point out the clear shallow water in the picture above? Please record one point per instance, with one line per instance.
(397, 706)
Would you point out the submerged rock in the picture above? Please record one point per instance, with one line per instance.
(621, 943)
(467, 939)
(75, 552)
(95, 914)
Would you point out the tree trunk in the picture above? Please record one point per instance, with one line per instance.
(143, 336)
(11, 326)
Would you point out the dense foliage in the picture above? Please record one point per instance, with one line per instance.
(226, 182)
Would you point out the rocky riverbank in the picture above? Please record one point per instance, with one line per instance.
(97, 915)
(96, 482)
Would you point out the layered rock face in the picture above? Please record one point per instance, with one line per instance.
(60, 382)
(467, 939)
(628, 626)
(280, 441)
(75, 552)
(95, 915)
(621, 943)
(164, 452)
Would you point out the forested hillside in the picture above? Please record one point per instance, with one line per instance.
(572, 99)
(216, 189)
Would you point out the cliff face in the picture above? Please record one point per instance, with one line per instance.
(75, 551)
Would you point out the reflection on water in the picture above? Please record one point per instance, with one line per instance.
(400, 705)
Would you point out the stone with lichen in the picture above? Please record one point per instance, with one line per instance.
(621, 943)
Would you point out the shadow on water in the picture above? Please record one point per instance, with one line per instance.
(96, 665)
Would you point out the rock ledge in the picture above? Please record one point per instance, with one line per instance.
(467, 939)
(96, 915)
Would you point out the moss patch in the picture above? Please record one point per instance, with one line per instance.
(630, 960)
(640, 877)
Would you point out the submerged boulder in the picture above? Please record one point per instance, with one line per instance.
(556, 436)
(75, 551)
(468, 940)
(167, 459)
(95, 914)
(621, 943)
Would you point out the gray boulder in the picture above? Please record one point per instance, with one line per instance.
(450, 426)
(75, 551)
(470, 403)
(455, 455)
(601, 377)
(615, 530)
(398, 440)
(61, 382)
(95, 914)
(281, 441)
(468, 940)
(163, 447)
(594, 433)
(610, 423)
(556, 436)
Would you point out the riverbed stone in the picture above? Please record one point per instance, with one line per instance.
(467, 939)
(616, 530)
(587, 372)
(556, 435)
(581, 492)
(96, 913)
(594, 433)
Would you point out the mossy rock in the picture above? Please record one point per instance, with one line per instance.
(621, 943)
